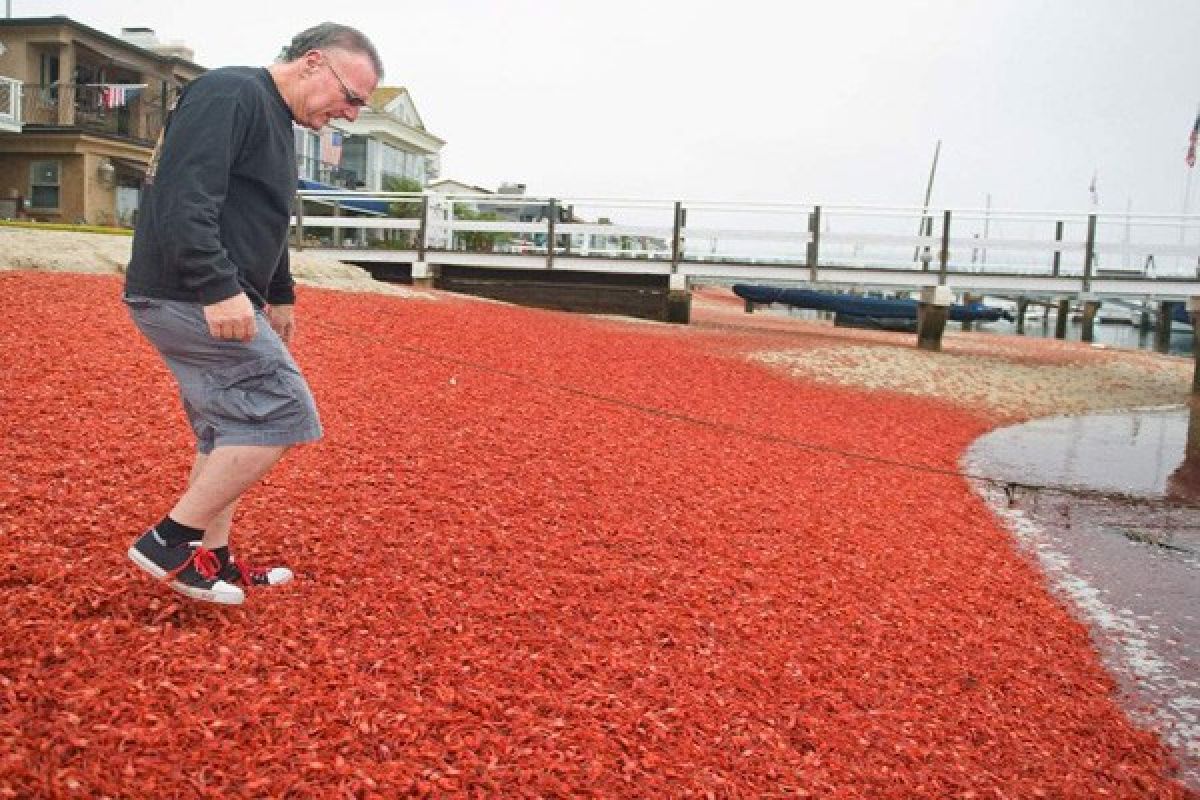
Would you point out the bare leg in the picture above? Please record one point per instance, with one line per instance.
(218, 480)
(217, 533)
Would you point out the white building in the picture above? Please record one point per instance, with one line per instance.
(387, 140)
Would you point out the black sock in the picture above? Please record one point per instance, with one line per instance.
(175, 534)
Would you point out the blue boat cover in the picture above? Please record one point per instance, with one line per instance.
(856, 306)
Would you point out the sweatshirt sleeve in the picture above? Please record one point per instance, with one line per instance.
(280, 292)
(199, 151)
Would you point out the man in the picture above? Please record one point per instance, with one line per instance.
(209, 285)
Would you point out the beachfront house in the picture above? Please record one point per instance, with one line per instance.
(387, 142)
(385, 149)
(80, 111)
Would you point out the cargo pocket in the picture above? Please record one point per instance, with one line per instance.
(254, 391)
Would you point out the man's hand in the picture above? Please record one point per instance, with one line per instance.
(283, 320)
(232, 318)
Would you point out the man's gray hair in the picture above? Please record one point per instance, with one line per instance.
(330, 34)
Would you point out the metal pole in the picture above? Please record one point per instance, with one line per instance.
(1187, 196)
(551, 212)
(337, 232)
(1187, 193)
(1058, 233)
(928, 194)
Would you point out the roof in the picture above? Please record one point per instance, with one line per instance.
(478, 189)
(384, 96)
(59, 19)
(381, 97)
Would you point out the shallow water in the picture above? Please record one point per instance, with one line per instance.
(1182, 341)
(1127, 556)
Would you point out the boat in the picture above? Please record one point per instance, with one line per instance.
(858, 311)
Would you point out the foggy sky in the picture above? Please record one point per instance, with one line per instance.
(764, 101)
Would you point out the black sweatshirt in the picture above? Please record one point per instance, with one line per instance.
(215, 210)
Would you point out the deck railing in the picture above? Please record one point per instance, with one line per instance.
(83, 106)
(806, 237)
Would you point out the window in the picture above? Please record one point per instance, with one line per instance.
(44, 180)
(354, 156)
(48, 72)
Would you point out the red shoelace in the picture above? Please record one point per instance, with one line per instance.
(249, 576)
(205, 561)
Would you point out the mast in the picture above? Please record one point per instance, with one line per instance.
(925, 227)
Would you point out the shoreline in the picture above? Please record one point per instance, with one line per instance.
(1005, 378)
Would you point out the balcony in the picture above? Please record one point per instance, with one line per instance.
(10, 105)
(83, 107)
(313, 169)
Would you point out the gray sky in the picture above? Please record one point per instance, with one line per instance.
(764, 101)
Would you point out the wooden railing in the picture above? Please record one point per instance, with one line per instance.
(83, 106)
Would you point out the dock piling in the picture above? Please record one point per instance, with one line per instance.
(679, 300)
(1162, 327)
(1090, 307)
(1060, 321)
(932, 310)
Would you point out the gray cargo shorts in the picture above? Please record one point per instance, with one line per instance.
(234, 393)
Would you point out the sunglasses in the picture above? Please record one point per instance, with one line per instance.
(351, 97)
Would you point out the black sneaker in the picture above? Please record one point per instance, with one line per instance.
(248, 576)
(192, 571)
(242, 574)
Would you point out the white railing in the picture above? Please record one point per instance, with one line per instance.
(809, 238)
(10, 104)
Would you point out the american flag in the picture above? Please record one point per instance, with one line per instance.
(331, 147)
(1191, 153)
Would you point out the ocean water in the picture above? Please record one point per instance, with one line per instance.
(1124, 554)
(1182, 341)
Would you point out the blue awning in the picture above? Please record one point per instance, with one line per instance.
(376, 207)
